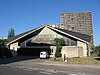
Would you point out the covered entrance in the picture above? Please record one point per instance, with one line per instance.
(33, 51)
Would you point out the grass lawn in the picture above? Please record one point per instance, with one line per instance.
(85, 60)
(81, 60)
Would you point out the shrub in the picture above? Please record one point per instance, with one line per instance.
(58, 51)
(58, 42)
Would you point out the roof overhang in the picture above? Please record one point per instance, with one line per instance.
(49, 28)
(24, 35)
(68, 34)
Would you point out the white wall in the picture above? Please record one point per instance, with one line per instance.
(84, 45)
(14, 46)
(47, 31)
(69, 51)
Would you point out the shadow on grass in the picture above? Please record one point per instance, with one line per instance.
(97, 58)
(16, 59)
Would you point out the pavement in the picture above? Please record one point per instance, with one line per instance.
(4, 70)
(35, 63)
(30, 60)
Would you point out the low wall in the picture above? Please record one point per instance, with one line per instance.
(69, 51)
(72, 51)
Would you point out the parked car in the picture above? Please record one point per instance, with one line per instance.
(44, 54)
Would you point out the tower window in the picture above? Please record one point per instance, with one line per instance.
(72, 28)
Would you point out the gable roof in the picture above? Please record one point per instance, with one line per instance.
(76, 35)
(17, 37)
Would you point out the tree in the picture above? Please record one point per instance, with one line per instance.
(4, 51)
(3, 42)
(58, 43)
(97, 50)
(11, 33)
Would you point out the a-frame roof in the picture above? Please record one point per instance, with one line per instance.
(19, 36)
(76, 35)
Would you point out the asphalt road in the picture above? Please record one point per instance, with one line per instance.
(4, 70)
(46, 70)
(38, 66)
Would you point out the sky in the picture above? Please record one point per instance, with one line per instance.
(24, 15)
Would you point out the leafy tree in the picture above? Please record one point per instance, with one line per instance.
(58, 42)
(3, 42)
(11, 33)
(97, 50)
(58, 51)
(4, 51)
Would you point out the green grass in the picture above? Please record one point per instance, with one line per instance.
(57, 59)
(84, 60)
(80, 60)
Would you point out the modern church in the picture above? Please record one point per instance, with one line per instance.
(34, 41)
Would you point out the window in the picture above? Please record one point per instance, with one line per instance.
(18, 43)
(73, 43)
(68, 16)
(72, 28)
(70, 42)
(71, 18)
(13, 47)
(52, 51)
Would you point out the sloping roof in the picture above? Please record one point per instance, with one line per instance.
(20, 35)
(76, 34)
